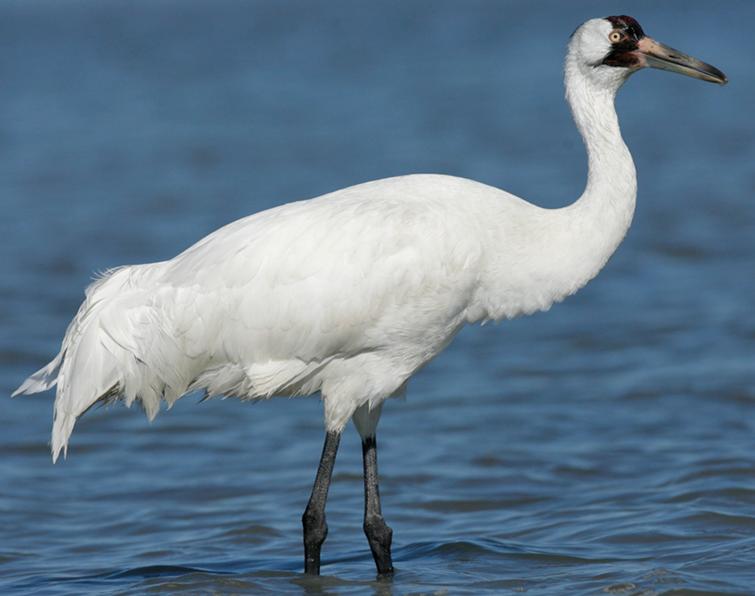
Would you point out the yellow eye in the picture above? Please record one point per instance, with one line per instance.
(614, 36)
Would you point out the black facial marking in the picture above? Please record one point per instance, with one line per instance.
(621, 53)
(627, 24)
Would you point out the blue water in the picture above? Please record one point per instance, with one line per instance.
(607, 446)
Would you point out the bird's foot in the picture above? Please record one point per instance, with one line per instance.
(379, 535)
(315, 532)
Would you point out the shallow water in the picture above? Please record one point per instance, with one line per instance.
(606, 446)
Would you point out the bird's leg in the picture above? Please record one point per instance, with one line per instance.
(313, 520)
(377, 531)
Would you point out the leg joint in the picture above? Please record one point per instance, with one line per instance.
(377, 530)
(315, 526)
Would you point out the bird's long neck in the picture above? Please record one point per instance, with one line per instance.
(611, 179)
(548, 254)
(592, 227)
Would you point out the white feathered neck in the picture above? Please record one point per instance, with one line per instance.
(548, 254)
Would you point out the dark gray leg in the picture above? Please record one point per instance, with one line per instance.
(313, 520)
(378, 533)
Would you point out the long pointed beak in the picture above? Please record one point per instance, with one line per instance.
(658, 55)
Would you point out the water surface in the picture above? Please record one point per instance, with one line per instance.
(606, 446)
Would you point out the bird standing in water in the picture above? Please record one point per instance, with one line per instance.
(351, 293)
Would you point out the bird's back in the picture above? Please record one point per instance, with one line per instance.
(385, 268)
(348, 293)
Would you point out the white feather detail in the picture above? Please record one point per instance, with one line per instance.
(348, 294)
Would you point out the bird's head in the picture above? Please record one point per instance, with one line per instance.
(608, 50)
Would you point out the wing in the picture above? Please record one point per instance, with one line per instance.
(366, 268)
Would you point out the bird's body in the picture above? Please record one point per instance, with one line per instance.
(348, 294)
(352, 292)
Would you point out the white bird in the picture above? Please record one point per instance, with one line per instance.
(351, 293)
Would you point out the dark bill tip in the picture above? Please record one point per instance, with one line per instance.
(658, 55)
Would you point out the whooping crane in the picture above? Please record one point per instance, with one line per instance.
(350, 293)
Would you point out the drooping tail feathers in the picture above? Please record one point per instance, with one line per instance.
(104, 350)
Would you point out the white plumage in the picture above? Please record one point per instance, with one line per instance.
(348, 294)
(351, 293)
